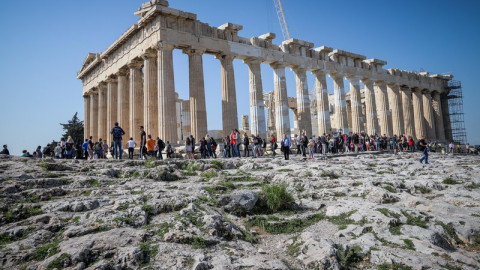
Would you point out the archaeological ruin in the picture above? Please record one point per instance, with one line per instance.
(132, 82)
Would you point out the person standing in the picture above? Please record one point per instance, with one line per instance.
(143, 141)
(117, 133)
(246, 142)
(233, 142)
(273, 144)
(423, 147)
(193, 142)
(85, 149)
(131, 144)
(311, 148)
(5, 150)
(161, 146)
(150, 146)
(286, 146)
(169, 150)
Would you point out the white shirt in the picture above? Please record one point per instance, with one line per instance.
(131, 144)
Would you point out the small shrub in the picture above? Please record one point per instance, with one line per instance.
(148, 251)
(394, 266)
(424, 190)
(44, 251)
(163, 228)
(342, 220)
(329, 174)
(415, 221)
(285, 170)
(409, 244)
(277, 197)
(52, 175)
(217, 163)
(150, 162)
(147, 209)
(93, 182)
(209, 174)
(449, 181)
(275, 225)
(390, 189)
(349, 256)
(59, 262)
(449, 230)
(123, 206)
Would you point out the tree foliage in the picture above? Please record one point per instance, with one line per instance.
(74, 128)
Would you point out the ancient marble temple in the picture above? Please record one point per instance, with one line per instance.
(132, 82)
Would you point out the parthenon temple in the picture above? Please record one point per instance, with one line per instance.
(132, 82)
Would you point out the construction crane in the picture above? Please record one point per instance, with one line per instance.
(281, 19)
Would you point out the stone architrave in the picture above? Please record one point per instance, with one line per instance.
(437, 109)
(304, 116)
(370, 109)
(229, 96)
(123, 101)
(112, 100)
(102, 111)
(323, 112)
(393, 91)
(418, 113)
(94, 116)
(407, 111)
(428, 114)
(150, 93)
(383, 112)
(167, 114)
(341, 117)
(198, 108)
(282, 119)
(356, 104)
(257, 106)
(135, 99)
(86, 109)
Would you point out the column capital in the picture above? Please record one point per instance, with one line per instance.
(405, 88)
(318, 72)
(249, 61)
(366, 80)
(112, 79)
(222, 56)
(380, 83)
(277, 65)
(297, 69)
(164, 46)
(149, 54)
(192, 51)
(426, 92)
(123, 71)
(336, 75)
(102, 85)
(353, 77)
(135, 64)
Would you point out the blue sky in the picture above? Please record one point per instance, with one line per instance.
(44, 43)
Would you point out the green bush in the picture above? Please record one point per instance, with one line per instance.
(209, 174)
(449, 181)
(277, 197)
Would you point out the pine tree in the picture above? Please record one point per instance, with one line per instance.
(74, 128)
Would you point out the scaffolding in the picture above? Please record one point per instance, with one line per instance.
(456, 115)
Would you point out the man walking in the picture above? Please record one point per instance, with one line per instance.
(143, 141)
(423, 147)
(117, 133)
(286, 146)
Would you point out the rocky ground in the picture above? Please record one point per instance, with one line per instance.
(347, 212)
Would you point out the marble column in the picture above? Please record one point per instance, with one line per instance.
(340, 104)
(112, 101)
(150, 93)
(370, 109)
(323, 112)
(257, 106)
(393, 91)
(167, 118)
(135, 99)
(229, 96)
(123, 101)
(356, 104)
(437, 109)
(428, 115)
(383, 111)
(304, 115)
(282, 119)
(86, 114)
(418, 113)
(94, 116)
(102, 111)
(407, 110)
(198, 108)
(446, 117)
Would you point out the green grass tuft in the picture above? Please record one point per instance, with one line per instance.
(277, 197)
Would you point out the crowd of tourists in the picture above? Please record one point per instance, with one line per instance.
(235, 143)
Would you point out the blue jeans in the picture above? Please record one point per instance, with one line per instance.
(117, 148)
(425, 156)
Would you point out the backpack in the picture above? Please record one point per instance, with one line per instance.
(98, 146)
(161, 145)
(68, 147)
(117, 133)
(214, 143)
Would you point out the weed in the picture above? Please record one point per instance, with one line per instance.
(371, 165)
(148, 209)
(294, 249)
(395, 230)
(349, 256)
(59, 262)
(87, 192)
(93, 182)
(415, 221)
(449, 230)
(390, 189)
(342, 220)
(473, 185)
(339, 194)
(150, 162)
(21, 214)
(129, 220)
(356, 184)
(206, 199)
(217, 163)
(274, 225)
(44, 251)
(308, 174)
(52, 175)
(134, 174)
(449, 181)
(6, 238)
(148, 251)
(209, 174)
(285, 170)
(76, 219)
(137, 192)
(388, 213)
(394, 266)
(409, 244)
(451, 267)
(277, 197)
(123, 206)
(163, 228)
(424, 190)
(329, 174)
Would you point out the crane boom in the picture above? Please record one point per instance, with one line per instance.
(281, 19)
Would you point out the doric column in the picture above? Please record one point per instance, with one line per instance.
(407, 110)
(86, 114)
(418, 113)
(394, 99)
(150, 93)
(370, 109)
(198, 109)
(94, 116)
(356, 104)
(447, 123)
(167, 119)
(304, 116)
(282, 119)
(229, 96)
(257, 106)
(323, 112)
(123, 101)
(102, 111)
(429, 117)
(112, 104)
(340, 103)
(437, 109)
(135, 99)
(383, 111)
